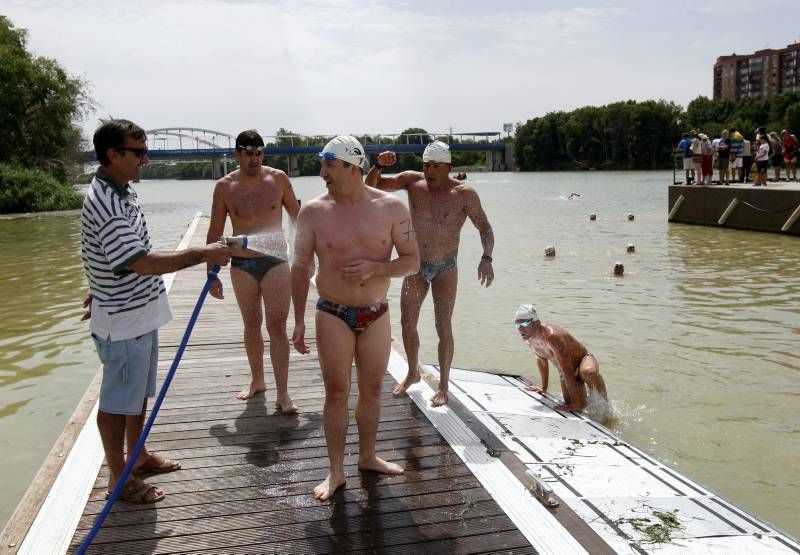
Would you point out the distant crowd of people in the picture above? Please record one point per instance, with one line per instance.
(733, 155)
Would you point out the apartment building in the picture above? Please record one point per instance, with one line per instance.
(763, 74)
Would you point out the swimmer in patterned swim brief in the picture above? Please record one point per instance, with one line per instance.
(551, 342)
(430, 270)
(440, 205)
(358, 319)
(353, 230)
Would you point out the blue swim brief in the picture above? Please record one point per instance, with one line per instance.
(129, 372)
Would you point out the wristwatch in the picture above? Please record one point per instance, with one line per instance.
(486, 257)
(377, 165)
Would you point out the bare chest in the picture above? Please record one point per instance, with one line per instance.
(262, 200)
(345, 235)
(441, 209)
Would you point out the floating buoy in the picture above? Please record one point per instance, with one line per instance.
(630, 217)
(592, 217)
(550, 250)
(631, 248)
(619, 269)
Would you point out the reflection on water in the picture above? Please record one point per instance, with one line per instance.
(46, 361)
(697, 343)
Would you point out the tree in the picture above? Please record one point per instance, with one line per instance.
(39, 106)
(419, 136)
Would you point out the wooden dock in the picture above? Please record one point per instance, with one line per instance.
(248, 471)
(774, 208)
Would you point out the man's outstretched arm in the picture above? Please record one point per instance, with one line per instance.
(397, 182)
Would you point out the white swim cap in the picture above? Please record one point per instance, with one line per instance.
(345, 148)
(526, 312)
(437, 151)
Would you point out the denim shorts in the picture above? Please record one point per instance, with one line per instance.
(129, 372)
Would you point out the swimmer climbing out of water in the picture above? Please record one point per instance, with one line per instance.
(577, 367)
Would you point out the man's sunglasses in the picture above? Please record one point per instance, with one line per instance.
(138, 152)
(525, 324)
(250, 150)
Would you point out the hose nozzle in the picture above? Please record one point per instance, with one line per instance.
(239, 241)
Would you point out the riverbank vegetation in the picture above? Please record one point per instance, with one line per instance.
(309, 164)
(40, 143)
(640, 135)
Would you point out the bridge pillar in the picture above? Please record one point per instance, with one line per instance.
(509, 157)
(216, 168)
(294, 167)
(492, 160)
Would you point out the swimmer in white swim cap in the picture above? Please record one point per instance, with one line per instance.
(440, 205)
(577, 367)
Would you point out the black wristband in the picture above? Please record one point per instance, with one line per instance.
(486, 257)
(377, 165)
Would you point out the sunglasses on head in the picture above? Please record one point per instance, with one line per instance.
(138, 152)
(250, 150)
(524, 324)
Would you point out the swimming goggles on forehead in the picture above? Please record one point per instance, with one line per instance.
(250, 149)
(327, 156)
(525, 324)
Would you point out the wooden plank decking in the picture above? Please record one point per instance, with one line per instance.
(248, 472)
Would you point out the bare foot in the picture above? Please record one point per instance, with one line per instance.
(440, 398)
(377, 464)
(252, 391)
(329, 485)
(411, 379)
(286, 405)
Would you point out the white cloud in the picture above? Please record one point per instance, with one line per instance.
(346, 66)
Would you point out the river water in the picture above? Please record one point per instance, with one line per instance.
(698, 342)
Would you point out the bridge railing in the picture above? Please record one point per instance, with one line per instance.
(171, 139)
(288, 150)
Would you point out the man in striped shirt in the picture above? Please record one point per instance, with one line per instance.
(127, 300)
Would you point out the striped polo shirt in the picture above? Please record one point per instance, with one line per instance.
(113, 236)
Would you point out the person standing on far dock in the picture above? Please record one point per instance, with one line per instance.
(790, 154)
(762, 159)
(439, 207)
(255, 196)
(127, 301)
(353, 230)
(685, 147)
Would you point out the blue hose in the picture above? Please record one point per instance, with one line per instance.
(212, 275)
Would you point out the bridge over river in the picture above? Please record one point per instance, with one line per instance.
(190, 143)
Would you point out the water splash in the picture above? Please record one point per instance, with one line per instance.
(272, 243)
(600, 409)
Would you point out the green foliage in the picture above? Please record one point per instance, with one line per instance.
(309, 165)
(623, 135)
(792, 118)
(33, 190)
(711, 116)
(640, 135)
(419, 137)
(182, 170)
(39, 104)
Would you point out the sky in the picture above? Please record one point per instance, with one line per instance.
(339, 66)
